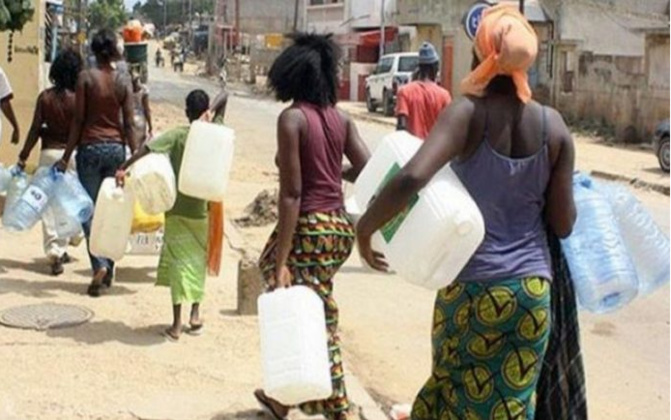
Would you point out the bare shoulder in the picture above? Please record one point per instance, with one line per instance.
(292, 118)
(344, 116)
(558, 131)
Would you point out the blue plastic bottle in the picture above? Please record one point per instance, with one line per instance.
(646, 243)
(600, 265)
(17, 186)
(28, 209)
(71, 197)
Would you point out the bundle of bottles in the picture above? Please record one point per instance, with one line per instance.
(616, 251)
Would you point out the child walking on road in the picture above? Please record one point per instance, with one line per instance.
(184, 257)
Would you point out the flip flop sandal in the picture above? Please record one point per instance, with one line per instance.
(169, 336)
(267, 408)
(195, 330)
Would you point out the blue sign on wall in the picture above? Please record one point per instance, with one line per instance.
(472, 18)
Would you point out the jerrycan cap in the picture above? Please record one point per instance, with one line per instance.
(464, 224)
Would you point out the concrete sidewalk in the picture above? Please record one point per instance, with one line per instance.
(633, 164)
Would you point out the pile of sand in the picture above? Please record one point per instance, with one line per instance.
(262, 211)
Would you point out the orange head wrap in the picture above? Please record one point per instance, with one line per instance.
(507, 45)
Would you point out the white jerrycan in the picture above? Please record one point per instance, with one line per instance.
(112, 221)
(207, 161)
(430, 242)
(152, 180)
(294, 348)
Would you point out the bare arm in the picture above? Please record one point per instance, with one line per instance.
(147, 112)
(447, 140)
(127, 112)
(77, 124)
(401, 122)
(560, 211)
(356, 151)
(33, 133)
(288, 141)
(218, 107)
(8, 110)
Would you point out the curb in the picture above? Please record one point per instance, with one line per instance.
(633, 181)
(369, 409)
(370, 118)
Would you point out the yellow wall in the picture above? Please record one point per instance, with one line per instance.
(26, 75)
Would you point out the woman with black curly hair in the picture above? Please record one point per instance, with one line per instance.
(99, 135)
(314, 237)
(53, 115)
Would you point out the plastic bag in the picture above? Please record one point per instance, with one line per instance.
(146, 223)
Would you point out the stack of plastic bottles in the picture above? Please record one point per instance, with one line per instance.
(71, 205)
(23, 211)
(615, 251)
(647, 245)
(17, 185)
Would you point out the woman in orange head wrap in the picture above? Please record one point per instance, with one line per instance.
(516, 158)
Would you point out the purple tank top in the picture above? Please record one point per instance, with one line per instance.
(321, 154)
(511, 196)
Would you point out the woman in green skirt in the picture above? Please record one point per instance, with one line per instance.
(183, 263)
(516, 158)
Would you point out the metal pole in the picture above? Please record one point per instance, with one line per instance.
(296, 15)
(382, 27)
(522, 7)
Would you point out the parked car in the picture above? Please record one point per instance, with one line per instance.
(392, 72)
(661, 142)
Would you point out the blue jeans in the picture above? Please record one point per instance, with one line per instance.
(95, 162)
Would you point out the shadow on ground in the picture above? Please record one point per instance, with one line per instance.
(101, 332)
(245, 414)
(37, 265)
(48, 288)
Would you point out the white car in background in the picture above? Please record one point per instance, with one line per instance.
(392, 72)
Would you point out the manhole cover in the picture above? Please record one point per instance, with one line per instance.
(45, 316)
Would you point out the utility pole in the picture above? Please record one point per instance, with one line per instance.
(382, 27)
(237, 23)
(165, 17)
(522, 7)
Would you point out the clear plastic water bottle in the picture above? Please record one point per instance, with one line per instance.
(64, 225)
(28, 209)
(5, 178)
(17, 186)
(646, 243)
(597, 257)
(71, 198)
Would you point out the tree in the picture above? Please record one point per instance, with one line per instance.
(107, 14)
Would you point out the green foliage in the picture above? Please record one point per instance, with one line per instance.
(107, 14)
(14, 14)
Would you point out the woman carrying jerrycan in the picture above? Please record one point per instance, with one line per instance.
(53, 115)
(313, 237)
(516, 158)
(99, 135)
(184, 261)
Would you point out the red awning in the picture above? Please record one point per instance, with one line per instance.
(372, 38)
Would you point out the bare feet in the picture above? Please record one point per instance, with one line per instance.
(272, 407)
(173, 333)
